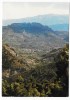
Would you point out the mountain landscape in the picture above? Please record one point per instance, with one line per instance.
(34, 36)
(35, 56)
(56, 22)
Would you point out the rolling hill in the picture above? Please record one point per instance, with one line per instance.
(32, 36)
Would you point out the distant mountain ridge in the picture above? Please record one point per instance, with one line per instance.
(48, 20)
(30, 28)
(61, 27)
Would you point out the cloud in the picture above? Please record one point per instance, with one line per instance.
(15, 10)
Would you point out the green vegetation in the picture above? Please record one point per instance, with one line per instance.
(49, 77)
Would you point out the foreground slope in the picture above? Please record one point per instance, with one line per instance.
(48, 78)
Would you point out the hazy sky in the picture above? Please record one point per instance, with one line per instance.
(15, 10)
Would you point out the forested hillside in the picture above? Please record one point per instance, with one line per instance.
(34, 61)
(46, 76)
